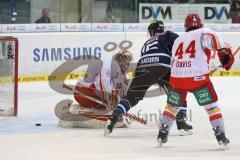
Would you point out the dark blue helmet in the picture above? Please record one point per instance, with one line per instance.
(156, 26)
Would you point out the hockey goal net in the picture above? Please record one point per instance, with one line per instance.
(8, 76)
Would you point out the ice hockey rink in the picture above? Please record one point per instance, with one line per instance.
(20, 139)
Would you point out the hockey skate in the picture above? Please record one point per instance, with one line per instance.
(221, 138)
(162, 135)
(183, 128)
(112, 121)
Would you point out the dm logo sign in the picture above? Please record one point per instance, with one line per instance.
(216, 13)
(149, 12)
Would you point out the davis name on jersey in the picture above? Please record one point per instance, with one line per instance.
(192, 51)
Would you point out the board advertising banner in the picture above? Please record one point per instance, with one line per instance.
(176, 13)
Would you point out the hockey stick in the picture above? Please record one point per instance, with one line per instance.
(131, 116)
(214, 70)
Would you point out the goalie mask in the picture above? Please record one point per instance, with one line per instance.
(155, 27)
(123, 58)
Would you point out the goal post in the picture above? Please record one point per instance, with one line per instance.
(8, 76)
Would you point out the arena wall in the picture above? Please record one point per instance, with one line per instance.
(41, 53)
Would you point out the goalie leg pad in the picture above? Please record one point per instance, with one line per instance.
(86, 102)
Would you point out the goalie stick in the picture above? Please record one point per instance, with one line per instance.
(130, 116)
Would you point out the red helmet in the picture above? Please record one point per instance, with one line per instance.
(192, 22)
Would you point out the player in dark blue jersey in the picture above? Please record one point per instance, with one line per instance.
(152, 68)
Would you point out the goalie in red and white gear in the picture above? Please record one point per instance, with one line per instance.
(101, 88)
(191, 54)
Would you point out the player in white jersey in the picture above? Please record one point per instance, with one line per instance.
(190, 73)
(98, 93)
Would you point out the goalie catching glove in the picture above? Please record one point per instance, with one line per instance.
(226, 58)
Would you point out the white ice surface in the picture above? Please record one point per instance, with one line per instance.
(20, 139)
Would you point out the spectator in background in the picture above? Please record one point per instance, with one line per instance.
(44, 18)
(235, 12)
(109, 18)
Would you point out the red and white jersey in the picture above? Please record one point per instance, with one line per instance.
(110, 76)
(191, 52)
(101, 77)
(105, 77)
